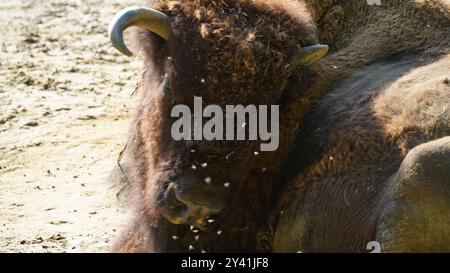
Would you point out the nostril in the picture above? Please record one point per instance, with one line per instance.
(173, 203)
(183, 207)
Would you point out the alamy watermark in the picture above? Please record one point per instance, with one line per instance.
(235, 122)
(374, 247)
(374, 2)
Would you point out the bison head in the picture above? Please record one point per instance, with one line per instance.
(227, 53)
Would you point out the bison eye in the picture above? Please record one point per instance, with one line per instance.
(167, 89)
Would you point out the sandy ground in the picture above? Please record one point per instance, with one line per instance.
(65, 100)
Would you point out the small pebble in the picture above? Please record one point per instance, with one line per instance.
(32, 124)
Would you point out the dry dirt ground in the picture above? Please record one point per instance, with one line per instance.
(65, 100)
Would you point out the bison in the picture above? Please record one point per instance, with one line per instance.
(364, 154)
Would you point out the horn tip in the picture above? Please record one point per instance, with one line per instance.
(116, 38)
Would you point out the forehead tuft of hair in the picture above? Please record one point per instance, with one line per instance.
(242, 45)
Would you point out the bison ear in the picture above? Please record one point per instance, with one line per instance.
(308, 55)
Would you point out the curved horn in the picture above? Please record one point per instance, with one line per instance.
(150, 19)
(309, 55)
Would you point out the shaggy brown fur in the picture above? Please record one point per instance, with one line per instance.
(234, 46)
(356, 137)
(242, 50)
